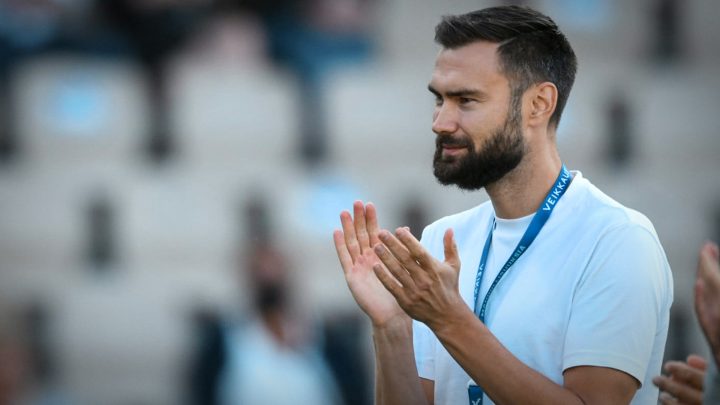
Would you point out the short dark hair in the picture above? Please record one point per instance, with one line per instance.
(532, 48)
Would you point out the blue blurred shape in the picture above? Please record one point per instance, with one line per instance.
(78, 105)
(323, 200)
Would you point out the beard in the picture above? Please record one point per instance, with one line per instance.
(500, 154)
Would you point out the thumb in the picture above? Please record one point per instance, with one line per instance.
(451, 252)
(696, 362)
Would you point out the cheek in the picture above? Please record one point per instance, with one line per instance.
(484, 120)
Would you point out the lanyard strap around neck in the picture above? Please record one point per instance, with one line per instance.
(537, 223)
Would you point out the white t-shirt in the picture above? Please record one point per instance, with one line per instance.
(593, 289)
(259, 371)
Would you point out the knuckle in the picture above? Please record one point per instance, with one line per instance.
(423, 285)
(413, 296)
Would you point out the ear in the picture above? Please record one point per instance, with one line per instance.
(543, 100)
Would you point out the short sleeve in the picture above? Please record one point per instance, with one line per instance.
(620, 303)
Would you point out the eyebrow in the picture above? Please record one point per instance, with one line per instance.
(462, 92)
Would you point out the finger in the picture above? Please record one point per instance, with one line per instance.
(452, 257)
(697, 362)
(708, 266)
(681, 392)
(684, 374)
(393, 266)
(389, 283)
(372, 224)
(351, 241)
(415, 249)
(360, 226)
(703, 302)
(401, 254)
(667, 399)
(342, 252)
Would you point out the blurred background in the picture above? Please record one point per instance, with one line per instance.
(171, 172)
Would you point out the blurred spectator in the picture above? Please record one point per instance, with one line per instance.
(269, 358)
(312, 37)
(689, 383)
(272, 356)
(230, 37)
(154, 29)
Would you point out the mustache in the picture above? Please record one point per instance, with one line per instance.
(452, 142)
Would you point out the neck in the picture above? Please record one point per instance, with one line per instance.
(520, 192)
(274, 322)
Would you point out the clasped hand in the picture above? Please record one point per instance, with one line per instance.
(425, 288)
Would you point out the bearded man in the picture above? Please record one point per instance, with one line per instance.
(564, 294)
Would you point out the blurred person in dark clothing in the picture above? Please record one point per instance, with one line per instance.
(154, 29)
(311, 38)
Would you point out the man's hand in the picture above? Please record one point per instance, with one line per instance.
(425, 288)
(684, 383)
(354, 249)
(707, 297)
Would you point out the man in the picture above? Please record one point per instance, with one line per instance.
(564, 294)
(693, 381)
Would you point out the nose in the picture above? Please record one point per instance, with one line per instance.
(445, 120)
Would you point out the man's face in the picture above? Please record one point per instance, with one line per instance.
(479, 133)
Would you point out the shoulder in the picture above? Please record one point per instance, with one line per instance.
(624, 243)
(616, 241)
(601, 214)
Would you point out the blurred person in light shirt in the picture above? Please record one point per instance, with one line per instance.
(268, 358)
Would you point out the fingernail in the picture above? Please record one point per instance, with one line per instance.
(379, 248)
(384, 235)
(656, 380)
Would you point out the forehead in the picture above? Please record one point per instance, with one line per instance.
(475, 65)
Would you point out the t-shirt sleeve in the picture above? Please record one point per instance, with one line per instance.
(619, 303)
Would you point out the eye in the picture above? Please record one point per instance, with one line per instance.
(438, 101)
(465, 100)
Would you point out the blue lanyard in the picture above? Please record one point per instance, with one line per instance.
(537, 223)
(541, 216)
